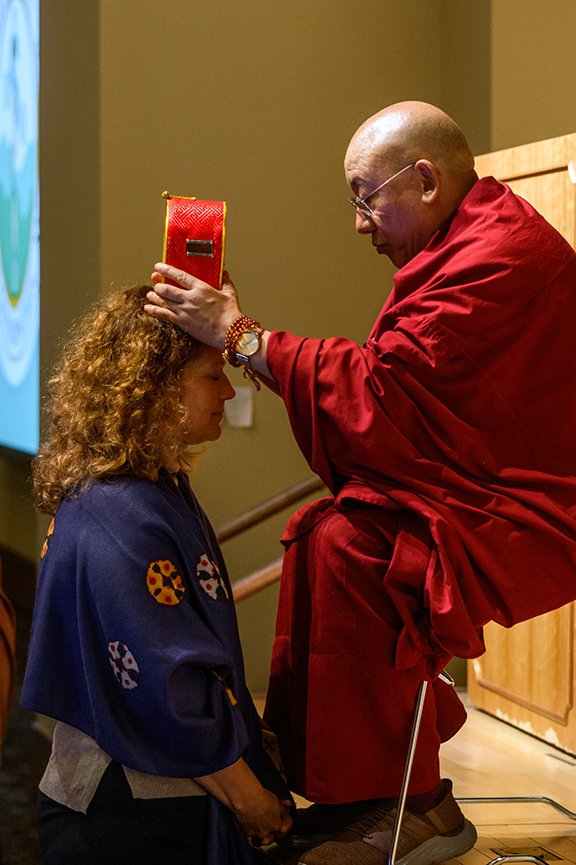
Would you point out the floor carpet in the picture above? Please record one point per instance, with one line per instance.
(17, 792)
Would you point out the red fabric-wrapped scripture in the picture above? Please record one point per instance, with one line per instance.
(194, 237)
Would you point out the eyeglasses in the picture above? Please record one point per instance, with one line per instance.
(360, 203)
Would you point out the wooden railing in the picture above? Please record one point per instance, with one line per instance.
(269, 574)
(247, 586)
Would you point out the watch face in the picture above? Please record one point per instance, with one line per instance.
(248, 344)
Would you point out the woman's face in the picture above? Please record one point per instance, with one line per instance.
(204, 388)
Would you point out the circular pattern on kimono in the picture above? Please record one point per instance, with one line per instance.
(165, 583)
(210, 579)
(124, 665)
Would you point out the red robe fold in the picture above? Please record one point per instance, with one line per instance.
(459, 414)
(340, 709)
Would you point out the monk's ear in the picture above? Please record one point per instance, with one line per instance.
(429, 180)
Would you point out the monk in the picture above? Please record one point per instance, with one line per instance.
(447, 443)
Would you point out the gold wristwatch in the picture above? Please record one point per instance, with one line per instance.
(242, 341)
(248, 345)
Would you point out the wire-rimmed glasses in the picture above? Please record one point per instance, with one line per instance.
(360, 203)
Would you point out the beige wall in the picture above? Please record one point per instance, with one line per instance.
(255, 102)
(533, 70)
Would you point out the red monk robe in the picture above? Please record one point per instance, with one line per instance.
(449, 442)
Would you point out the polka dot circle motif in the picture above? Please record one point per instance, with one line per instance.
(210, 579)
(165, 583)
(124, 665)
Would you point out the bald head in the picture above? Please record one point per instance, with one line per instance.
(401, 208)
(407, 131)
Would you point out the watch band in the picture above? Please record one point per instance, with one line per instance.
(240, 326)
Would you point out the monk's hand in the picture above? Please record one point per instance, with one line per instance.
(193, 305)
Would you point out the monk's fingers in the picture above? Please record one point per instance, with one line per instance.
(162, 312)
(173, 273)
(229, 290)
(227, 280)
(186, 280)
(170, 294)
(154, 298)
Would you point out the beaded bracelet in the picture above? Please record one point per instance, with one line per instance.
(238, 327)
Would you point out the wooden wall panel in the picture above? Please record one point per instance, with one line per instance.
(527, 675)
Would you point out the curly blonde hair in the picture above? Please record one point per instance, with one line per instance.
(114, 400)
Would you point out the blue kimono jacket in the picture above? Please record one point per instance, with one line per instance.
(135, 641)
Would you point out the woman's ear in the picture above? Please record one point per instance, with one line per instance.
(429, 180)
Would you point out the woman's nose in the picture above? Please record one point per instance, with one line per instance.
(228, 391)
